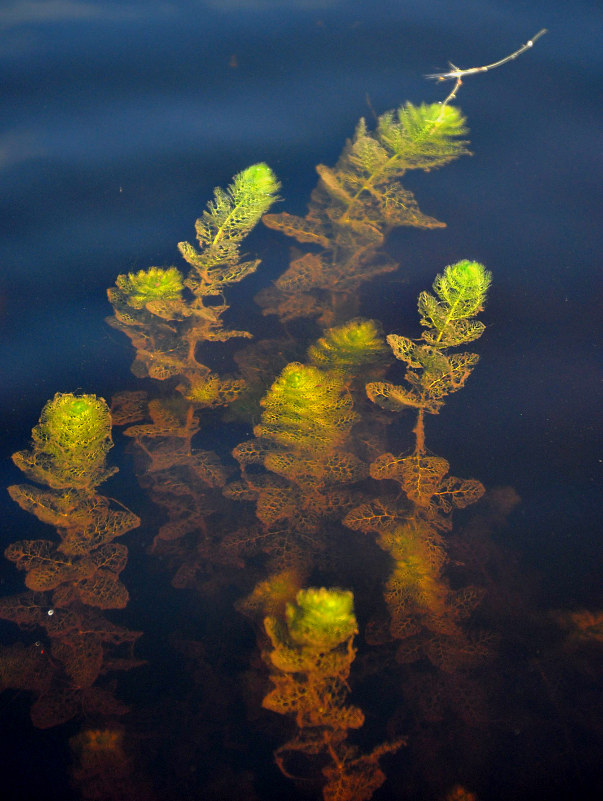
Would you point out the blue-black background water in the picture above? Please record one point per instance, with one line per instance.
(119, 120)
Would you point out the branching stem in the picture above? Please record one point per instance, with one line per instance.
(458, 74)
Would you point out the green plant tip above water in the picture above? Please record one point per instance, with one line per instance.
(350, 347)
(260, 179)
(461, 294)
(463, 288)
(306, 409)
(70, 443)
(233, 212)
(321, 617)
(150, 285)
(74, 421)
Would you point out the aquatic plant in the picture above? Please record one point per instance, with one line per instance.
(306, 409)
(168, 317)
(102, 765)
(356, 349)
(312, 652)
(152, 289)
(303, 445)
(321, 618)
(354, 207)
(166, 314)
(431, 372)
(297, 471)
(81, 570)
(70, 443)
(420, 601)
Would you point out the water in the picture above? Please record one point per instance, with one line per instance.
(119, 121)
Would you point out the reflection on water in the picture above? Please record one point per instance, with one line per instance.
(343, 559)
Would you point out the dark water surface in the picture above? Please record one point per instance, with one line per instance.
(119, 120)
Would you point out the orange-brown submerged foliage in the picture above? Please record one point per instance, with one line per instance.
(103, 770)
(311, 656)
(299, 469)
(70, 578)
(168, 316)
(424, 610)
(421, 604)
(354, 207)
